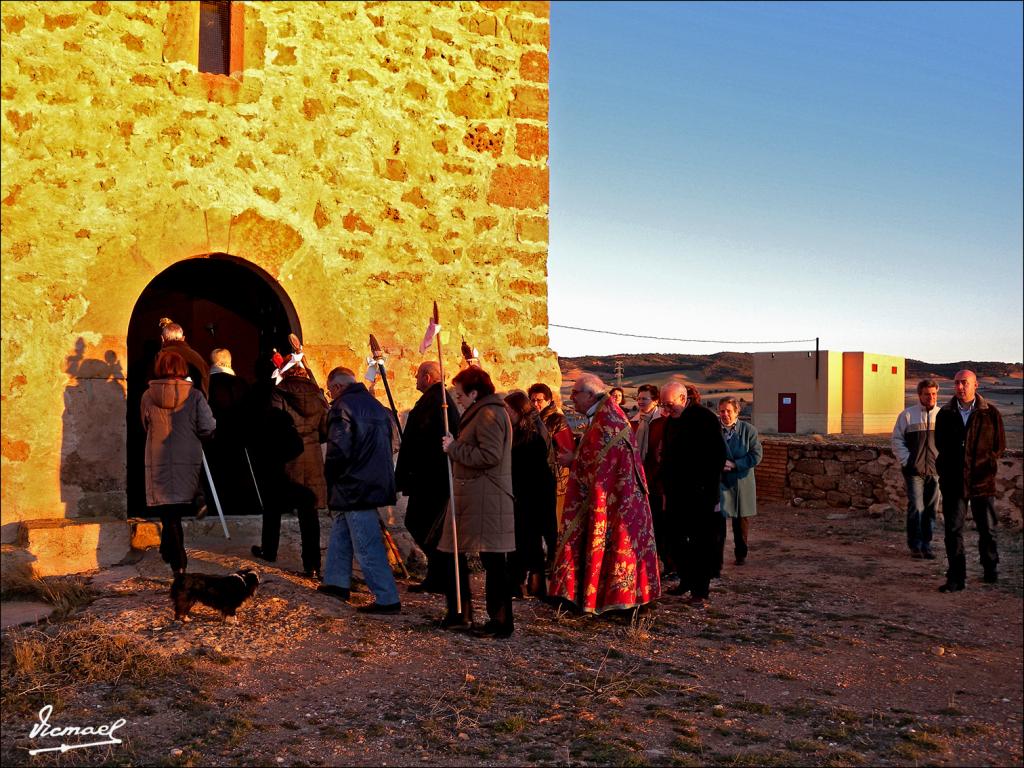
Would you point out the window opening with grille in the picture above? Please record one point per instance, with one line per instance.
(215, 37)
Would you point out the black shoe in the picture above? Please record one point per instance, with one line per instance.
(423, 587)
(456, 622)
(927, 554)
(258, 552)
(990, 577)
(517, 592)
(679, 591)
(339, 592)
(916, 554)
(493, 629)
(952, 586)
(310, 573)
(741, 561)
(377, 608)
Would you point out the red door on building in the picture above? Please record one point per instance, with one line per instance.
(787, 412)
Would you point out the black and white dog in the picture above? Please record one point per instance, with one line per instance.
(222, 593)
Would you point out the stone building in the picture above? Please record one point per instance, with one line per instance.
(250, 169)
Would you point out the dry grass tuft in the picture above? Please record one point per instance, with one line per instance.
(640, 625)
(54, 662)
(65, 593)
(615, 685)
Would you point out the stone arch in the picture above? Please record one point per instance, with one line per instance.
(220, 300)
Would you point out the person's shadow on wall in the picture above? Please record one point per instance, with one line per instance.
(92, 453)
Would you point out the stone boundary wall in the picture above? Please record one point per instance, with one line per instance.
(819, 473)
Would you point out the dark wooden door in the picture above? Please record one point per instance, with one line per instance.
(787, 412)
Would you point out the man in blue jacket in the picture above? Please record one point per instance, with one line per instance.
(360, 478)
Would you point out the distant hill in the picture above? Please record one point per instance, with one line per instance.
(739, 366)
(721, 365)
(918, 369)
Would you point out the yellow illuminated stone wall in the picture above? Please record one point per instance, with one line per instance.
(370, 157)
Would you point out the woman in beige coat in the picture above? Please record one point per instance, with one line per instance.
(481, 460)
(176, 417)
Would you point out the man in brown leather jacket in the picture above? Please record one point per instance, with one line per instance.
(970, 439)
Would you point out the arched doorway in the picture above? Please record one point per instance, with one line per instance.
(219, 301)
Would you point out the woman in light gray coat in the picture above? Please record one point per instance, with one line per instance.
(176, 417)
(481, 459)
(738, 490)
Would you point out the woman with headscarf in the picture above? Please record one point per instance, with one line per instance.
(481, 458)
(176, 418)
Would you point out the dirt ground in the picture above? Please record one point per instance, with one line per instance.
(829, 647)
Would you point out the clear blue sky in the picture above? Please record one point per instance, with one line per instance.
(784, 171)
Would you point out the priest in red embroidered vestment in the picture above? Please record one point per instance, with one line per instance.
(606, 559)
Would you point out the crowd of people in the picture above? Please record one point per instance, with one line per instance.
(592, 519)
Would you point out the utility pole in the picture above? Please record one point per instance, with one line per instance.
(618, 373)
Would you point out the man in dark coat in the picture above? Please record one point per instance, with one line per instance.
(560, 436)
(305, 491)
(361, 478)
(172, 336)
(969, 438)
(422, 471)
(229, 462)
(692, 457)
(273, 442)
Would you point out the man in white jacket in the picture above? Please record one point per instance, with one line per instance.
(913, 445)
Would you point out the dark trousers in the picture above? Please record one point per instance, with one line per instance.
(424, 516)
(550, 535)
(740, 532)
(309, 534)
(497, 595)
(172, 537)
(528, 556)
(922, 502)
(435, 577)
(954, 511)
(662, 530)
(697, 548)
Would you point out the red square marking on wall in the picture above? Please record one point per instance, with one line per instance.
(874, 367)
(894, 369)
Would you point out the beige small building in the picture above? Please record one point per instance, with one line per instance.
(796, 392)
(825, 392)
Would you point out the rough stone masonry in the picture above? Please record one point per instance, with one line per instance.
(367, 158)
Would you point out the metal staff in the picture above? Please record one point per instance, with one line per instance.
(451, 481)
(378, 358)
(259, 496)
(216, 499)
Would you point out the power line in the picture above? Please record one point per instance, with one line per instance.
(670, 338)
